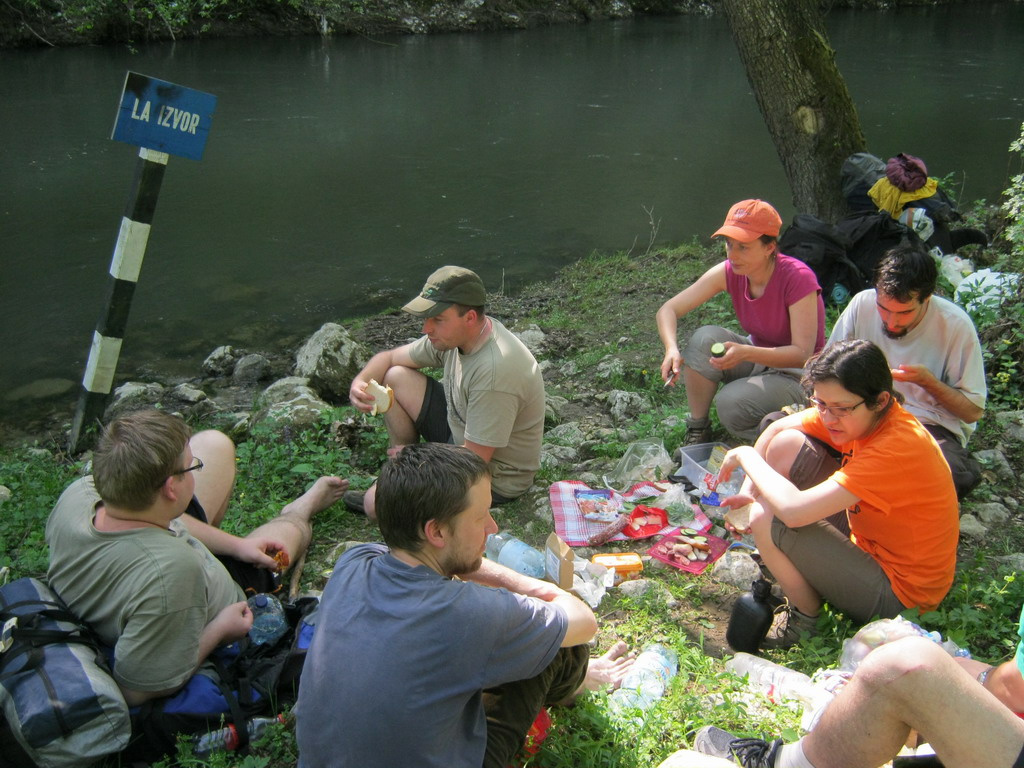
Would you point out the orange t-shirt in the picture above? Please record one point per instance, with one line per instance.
(907, 518)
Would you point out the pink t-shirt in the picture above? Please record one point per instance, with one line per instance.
(766, 319)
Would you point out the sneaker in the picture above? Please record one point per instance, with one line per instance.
(789, 628)
(749, 753)
(353, 501)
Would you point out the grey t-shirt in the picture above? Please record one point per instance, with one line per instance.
(495, 397)
(401, 657)
(147, 592)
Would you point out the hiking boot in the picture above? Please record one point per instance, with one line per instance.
(697, 431)
(750, 753)
(353, 501)
(789, 627)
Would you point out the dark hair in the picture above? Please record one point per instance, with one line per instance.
(770, 240)
(462, 309)
(136, 453)
(425, 481)
(859, 366)
(905, 273)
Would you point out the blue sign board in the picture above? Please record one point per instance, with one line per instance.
(163, 116)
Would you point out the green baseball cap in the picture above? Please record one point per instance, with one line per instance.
(447, 286)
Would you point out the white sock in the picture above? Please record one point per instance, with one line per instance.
(792, 756)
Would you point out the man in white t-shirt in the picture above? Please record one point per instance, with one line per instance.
(490, 398)
(933, 349)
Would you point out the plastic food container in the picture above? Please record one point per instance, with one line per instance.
(627, 565)
(694, 466)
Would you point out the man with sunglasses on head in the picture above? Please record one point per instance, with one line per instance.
(137, 552)
(933, 349)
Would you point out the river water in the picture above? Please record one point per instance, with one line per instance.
(339, 173)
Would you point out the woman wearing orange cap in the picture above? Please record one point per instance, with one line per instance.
(778, 304)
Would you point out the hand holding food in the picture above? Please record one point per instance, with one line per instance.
(383, 397)
(739, 518)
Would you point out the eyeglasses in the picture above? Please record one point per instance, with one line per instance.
(837, 411)
(197, 467)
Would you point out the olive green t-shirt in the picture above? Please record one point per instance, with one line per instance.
(495, 397)
(147, 592)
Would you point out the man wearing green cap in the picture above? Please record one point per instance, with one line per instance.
(490, 398)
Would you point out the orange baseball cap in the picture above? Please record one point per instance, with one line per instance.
(749, 219)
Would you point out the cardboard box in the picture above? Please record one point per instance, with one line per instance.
(627, 565)
(558, 559)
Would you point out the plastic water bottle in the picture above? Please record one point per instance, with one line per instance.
(777, 682)
(513, 553)
(751, 618)
(226, 739)
(646, 680)
(268, 620)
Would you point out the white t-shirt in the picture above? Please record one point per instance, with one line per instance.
(945, 342)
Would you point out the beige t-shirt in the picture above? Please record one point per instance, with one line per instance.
(147, 592)
(495, 397)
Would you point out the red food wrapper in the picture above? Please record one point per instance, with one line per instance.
(655, 520)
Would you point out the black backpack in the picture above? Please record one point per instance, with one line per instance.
(823, 248)
(870, 235)
(248, 681)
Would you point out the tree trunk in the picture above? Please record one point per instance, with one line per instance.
(801, 94)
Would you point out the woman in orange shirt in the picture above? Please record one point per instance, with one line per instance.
(858, 453)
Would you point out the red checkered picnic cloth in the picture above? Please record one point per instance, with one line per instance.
(574, 529)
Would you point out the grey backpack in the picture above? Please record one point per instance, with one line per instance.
(59, 705)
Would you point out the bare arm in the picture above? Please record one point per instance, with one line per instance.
(950, 398)
(706, 286)
(803, 325)
(483, 451)
(375, 369)
(252, 549)
(1003, 681)
(231, 624)
(582, 622)
(788, 503)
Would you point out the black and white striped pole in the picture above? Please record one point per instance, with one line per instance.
(125, 266)
(162, 119)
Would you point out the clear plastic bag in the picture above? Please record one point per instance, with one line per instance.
(643, 460)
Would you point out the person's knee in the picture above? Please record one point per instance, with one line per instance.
(212, 441)
(698, 352)
(897, 667)
(783, 449)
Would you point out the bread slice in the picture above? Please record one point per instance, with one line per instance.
(739, 518)
(383, 397)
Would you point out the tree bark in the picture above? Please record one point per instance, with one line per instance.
(802, 96)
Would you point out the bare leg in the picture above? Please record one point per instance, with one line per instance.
(370, 502)
(409, 387)
(608, 669)
(914, 684)
(293, 526)
(700, 392)
(216, 480)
